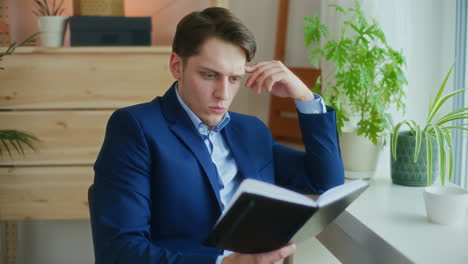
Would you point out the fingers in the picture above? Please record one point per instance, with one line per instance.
(264, 75)
(275, 256)
(266, 80)
(257, 69)
(285, 252)
(250, 69)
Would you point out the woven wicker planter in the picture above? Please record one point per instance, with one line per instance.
(404, 170)
(98, 7)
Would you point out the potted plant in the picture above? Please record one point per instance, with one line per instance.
(426, 151)
(51, 22)
(14, 139)
(367, 79)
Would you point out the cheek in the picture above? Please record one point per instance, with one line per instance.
(201, 89)
(235, 90)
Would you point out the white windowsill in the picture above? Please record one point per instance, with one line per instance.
(389, 223)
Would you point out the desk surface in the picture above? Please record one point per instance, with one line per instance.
(396, 215)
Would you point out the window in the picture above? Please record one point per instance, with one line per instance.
(460, 174)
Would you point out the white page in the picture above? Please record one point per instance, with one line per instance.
(268, 190)
(338, 192)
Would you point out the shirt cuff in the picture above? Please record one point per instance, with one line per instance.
(316, 106)
(225, 254)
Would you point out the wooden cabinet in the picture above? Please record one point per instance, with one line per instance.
(64, 97)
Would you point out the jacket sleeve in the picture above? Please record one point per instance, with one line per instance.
(121, 206)
(320, 167)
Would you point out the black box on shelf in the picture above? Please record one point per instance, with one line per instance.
(110, 31)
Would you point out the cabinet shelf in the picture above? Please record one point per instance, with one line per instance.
(100, 49)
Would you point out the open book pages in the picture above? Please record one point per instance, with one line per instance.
(275, 192)
(339, 191)
(332, 204)
(267, 190)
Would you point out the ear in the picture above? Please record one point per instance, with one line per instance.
(176, 66)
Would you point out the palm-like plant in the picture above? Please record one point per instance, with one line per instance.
(14, 139)
(30, 40)
(44, 9)
(439, 130)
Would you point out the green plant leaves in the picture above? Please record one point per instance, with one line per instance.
(43, 8)
(438, 95)
(338, 8)
(337, 52)
(368, 75)
(14, 45)
(13, 138)
(16, 139)
(437, 130)
(429, 159)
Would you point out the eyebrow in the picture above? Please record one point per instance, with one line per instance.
(211, 70)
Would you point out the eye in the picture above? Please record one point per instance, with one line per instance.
(235, 79)
(209, 75)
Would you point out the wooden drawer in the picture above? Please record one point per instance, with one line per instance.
(82, 81)
(32, 193)
(66, 137)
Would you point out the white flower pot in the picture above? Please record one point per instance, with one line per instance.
(359, 155)
(52, 30)
(446, 205)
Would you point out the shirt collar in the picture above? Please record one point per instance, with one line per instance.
(202, 128)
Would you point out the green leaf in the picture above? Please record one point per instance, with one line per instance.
(5, 145)
(338, 8)
(450, 118)
(42, 10)
(313, 30)
(396, 131)
(323, 30)
(308, 20)
(16, 146)
(429, 158)
(317, 85)
(47, 7)
(315, 54)
(448, 139)
(438, 104)
(439, 94)
(16, 139)
(418, 138)
(441, 144)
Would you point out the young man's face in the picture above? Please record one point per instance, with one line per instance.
(210, 80)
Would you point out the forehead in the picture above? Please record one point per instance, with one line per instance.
(221, 56)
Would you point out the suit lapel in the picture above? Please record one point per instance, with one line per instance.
(238, 147)
(183, 128)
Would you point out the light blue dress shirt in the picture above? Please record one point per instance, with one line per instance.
(221, 155)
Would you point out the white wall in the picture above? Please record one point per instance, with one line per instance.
(260, 16)
(55, 242)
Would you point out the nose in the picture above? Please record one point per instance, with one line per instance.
(222, 91)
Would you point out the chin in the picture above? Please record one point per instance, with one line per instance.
(212, 122)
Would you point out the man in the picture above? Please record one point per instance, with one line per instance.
(167, 168)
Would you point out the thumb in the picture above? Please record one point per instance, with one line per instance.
(282, 253)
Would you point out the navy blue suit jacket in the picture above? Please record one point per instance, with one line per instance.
(156, 195)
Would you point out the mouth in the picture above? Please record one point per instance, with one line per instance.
(217, 109)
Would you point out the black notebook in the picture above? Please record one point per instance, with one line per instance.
(262, 217)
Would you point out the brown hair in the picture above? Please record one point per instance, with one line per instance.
(197, 27)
